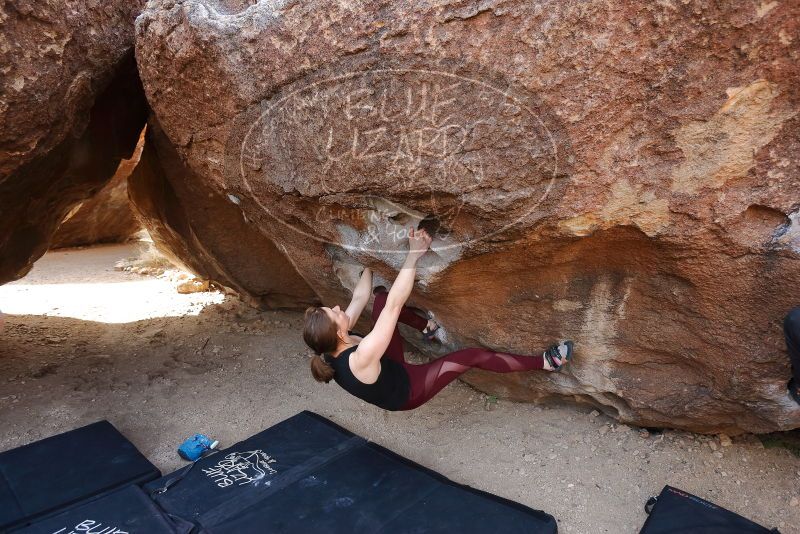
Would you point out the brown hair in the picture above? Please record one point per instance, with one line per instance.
(319, 333)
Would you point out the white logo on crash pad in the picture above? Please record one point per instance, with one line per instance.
(241, 468)
(89, 526)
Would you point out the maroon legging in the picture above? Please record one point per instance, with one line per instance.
(428, 379)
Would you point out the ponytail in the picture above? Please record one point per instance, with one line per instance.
(321, 370)
(319, 333)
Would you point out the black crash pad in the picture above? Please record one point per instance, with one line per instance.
(307, 474)
(48, 475)
(125, 511)
(678, 511)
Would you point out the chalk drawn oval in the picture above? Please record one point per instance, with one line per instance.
(453, 144)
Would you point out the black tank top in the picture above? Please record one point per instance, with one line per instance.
(390, 391)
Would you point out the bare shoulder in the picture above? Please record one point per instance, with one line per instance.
(365, 369)
(357, 359)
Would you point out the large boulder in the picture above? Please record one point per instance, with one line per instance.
(71, 108)
(107, 217)
(625, 175)
(194, 226)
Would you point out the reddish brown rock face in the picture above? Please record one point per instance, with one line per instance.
(622, 175)
(71, 108)
(107, 217)
(197, 227)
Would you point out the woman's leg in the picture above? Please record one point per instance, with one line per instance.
(428, 379)
(395, 348)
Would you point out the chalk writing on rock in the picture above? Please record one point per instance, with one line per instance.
(448, 141)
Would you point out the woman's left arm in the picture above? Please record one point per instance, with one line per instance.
(360, 297)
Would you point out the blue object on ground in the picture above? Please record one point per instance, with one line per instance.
(196, 446)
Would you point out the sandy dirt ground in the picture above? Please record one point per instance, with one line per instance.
(84, 342)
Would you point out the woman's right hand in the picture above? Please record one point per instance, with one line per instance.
(418, 243)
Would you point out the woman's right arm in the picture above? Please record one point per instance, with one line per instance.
(375, 343)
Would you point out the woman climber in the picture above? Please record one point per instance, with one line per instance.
(373, 367)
